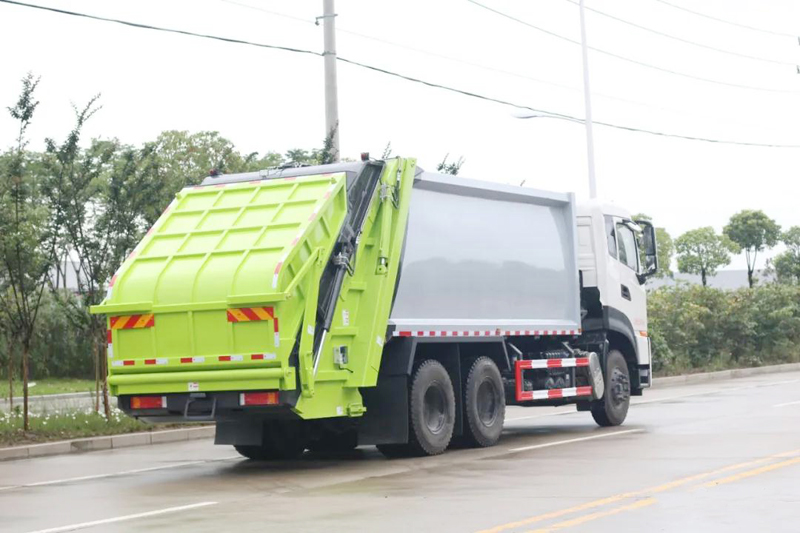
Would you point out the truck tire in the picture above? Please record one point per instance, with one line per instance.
(484, 404)
(612, 408)
(280, 441)
(431, 413)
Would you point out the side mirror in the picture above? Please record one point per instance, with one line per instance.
(650, 248)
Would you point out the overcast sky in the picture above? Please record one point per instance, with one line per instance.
(272, 100)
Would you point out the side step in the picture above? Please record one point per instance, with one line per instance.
(595, 376)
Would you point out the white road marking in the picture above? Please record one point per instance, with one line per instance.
(125, 518)
(787, 404)
(114, 474)
(570, 441)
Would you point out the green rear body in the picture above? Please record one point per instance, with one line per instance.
(231, 275)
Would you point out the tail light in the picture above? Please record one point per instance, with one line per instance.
(149, 402)
(258, 398)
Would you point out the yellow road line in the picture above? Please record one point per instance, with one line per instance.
(594, 516)
(633, 494)
(751, 473)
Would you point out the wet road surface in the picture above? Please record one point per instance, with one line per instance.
(721, 456)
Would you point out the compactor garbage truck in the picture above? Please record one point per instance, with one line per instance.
(327, 307)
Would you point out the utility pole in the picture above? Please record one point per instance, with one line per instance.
(331, 89)
(587, 96)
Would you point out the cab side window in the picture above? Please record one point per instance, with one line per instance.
(611, 237)
(628, 252)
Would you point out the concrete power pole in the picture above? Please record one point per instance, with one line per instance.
(587, 96)
(331, 89)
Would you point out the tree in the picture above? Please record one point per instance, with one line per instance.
(104, 196)
(787, 264)
(450, 168)
(665, 247)
(26, 240)
(753, 231)
(702, 251)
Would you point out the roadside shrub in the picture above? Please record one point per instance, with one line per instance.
(60, 348)
(695, 328)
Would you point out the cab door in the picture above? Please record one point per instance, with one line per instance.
(625, 292)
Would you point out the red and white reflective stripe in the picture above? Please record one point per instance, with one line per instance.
(225, 358)
(529, 364)
(486, 333)
(277, 332)
(110, 350)
(158, 361)
(277, 271)
(195, 359)
(262, 356)
(126, 362)
(549, 394)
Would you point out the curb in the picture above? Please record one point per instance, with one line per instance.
(108, 442)
(686, 379)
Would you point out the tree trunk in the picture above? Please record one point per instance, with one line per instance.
(10, 344)
(104, 373)
(703, 277)
(26, 423)
(750, 276)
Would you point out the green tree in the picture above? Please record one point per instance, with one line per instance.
(450, 168)
(103, 194)
(26, 244)
(754, 232)
(787, 264)
(702, 251)
(665, 247)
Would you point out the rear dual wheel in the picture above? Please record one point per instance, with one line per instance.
(431, 413)
(484, 404)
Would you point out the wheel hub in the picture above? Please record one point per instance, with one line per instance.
(434, 412)
(487, 403)
(620, 387)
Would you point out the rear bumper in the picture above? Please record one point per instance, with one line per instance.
(210, 407)
(203, 381)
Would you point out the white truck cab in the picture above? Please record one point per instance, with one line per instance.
(611, 246)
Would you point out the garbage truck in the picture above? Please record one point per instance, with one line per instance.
(374, 303)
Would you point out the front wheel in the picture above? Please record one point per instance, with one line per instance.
(612, 408)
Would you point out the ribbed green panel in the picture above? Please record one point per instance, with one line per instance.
(217, 247)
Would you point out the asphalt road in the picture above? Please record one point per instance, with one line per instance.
(722, 456)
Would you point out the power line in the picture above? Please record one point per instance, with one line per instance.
(488, 68)
(550, 114)
(745, 26)
(682, 40)
(538, 112)
(631, 60)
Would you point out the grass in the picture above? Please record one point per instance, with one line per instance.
(63, 425)
(49, 386)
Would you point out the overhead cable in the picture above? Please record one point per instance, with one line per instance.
(631, 60)
(731, 23)
(682, 40)
(537, 112)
